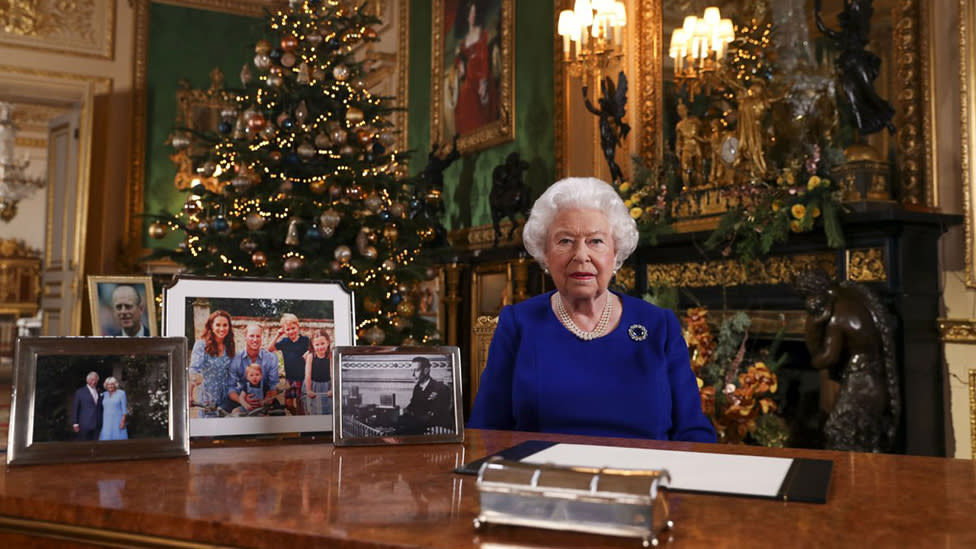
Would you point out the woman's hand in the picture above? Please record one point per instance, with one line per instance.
(122, 424)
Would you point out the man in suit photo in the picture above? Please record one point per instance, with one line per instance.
(87, 410)
(431, 402)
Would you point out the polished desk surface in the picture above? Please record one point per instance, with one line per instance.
(316, 495)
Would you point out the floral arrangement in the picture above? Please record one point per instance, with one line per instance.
(738, 391)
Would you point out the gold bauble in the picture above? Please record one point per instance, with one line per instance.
(370, 252)
(406, 308)
(157, 230)
(343, 253)
(390, 233)
(375, 335)
(262, 46)
(354, 115)
(318, 186)
(260, 259)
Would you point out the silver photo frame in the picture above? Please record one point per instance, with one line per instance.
(191, 306)
(51, 423)
(396, 395)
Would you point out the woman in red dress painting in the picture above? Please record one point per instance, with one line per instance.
(477, 101)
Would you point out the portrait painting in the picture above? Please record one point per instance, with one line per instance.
(97, 398)
(259, 365)
(397, 395)
(472, 88)
(122, 306)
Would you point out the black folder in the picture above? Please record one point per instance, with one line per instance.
(807, 481)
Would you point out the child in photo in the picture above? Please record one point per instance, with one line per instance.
(293, 346)
(318, 374)
(254, 386)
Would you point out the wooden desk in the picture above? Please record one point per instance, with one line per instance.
(314, 495)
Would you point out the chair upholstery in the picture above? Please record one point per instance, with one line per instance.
(484, 330)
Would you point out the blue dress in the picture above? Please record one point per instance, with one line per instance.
(217, 380)
(540, 377)
(114, 406)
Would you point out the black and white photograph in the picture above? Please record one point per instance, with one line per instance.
(259, 364)
(394, 395)
(94, 395)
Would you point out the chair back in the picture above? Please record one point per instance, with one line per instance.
(483, 330)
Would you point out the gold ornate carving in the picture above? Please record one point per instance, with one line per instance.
(80, 27)
(910, 135)
(766, 323)
(496, 132)
(649, 52)
(730, 272)
(198, 111)
(400, 119)
(967, 127)
(483, 236)
(972, 412)
(482, 330)
(957, 330)
(866, 265)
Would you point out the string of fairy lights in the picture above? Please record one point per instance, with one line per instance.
(308, 146)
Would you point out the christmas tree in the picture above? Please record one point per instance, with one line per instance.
(302, 180)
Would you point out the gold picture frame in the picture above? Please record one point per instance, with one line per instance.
(487, 105)
(910, 68)
(967, 95)
(49, 425)
(112, 306)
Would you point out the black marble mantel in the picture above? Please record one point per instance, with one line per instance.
(890, 249)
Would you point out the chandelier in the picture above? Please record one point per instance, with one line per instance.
(699, 46)
(14, 183)
(593, 35)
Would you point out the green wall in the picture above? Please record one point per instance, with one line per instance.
(468, 181)
(185, 43)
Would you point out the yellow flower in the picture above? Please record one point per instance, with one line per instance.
(636, 212)
(779, 180)
(815, 212)
(798, 211)
(813, 182)
(777, 205)
(628, 203)
(625, 186)
(795, 226)
(701, 383)
(789, 177)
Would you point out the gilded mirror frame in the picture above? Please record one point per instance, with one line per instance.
(967, 95)
(915, 155)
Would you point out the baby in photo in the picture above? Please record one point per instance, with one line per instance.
(254, 387)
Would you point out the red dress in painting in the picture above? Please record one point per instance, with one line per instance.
(475, 107)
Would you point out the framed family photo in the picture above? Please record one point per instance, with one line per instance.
(123, 306)
(472, 92)
(260, 352)
(93, 399)
(397, 395)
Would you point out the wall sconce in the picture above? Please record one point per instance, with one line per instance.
(14, 184)
(700, 45)
(593, 34)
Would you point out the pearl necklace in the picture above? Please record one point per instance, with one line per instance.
(567, 321)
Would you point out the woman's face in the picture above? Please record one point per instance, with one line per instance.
(291, 330)
(580, 253)
(220, 327)
(320, 345)
(472, 15)
(111, 387)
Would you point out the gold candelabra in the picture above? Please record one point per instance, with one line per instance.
(593, 35)
(698, 48)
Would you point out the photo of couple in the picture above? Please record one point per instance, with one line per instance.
(257, 357)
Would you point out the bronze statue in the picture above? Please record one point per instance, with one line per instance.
(849, 333)
(509, 194)
(428, 201)
(613, 129)
(857, 66)
(687, 147)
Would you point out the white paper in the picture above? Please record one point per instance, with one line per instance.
(693, 471)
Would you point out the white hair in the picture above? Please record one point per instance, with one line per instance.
(91, 375)
(110, 380)
(585, 193)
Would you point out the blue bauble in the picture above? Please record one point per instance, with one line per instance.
(275, 55)
(332, 44)
(385, 215)
(378, 149)
(292, 159)
(288, 123)
(219, 224)
(313, 234)
(414, 204)
(224, 127)
(396, 298)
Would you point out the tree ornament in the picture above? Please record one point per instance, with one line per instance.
(375, 335)
(338, 136)
(398, 209)
(354, 192)
(275, 55)
(275, 80)
(335, 191)
(406, 308)
(330, 218)
(262, 62)
(373, 202)
(340, 72)
(248, 245)
(370, 252)
(191, 207)
(342, 253)
(203, 225)
(269, 132)
(327, 232)
(255, 122)
(292, 263)
(346, 150)
(262, 46)
(289, 42)
(354, 115)
(207, 168)
(275, 157)
(318, 74)
(313, 234)
(390, 233)
(359, 84)
(332, 44)
(220, 224)
(157, 230)
(387, 138)
(291, 239)
(318, 186)
(301, 112)
(335, 266)
(306, 150)
(365, 136)
(322, 140)
(288, 59)
(254, 221)
(303, 73)
(314, 38)
(385, 216)
(224, 127)
(369, 33)
(409, 342)
(246, 75)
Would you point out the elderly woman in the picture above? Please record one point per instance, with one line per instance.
(583, 359)
(114, 412)
(210, 379)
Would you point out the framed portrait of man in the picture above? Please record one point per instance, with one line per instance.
(122, 306)
(472, 62)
